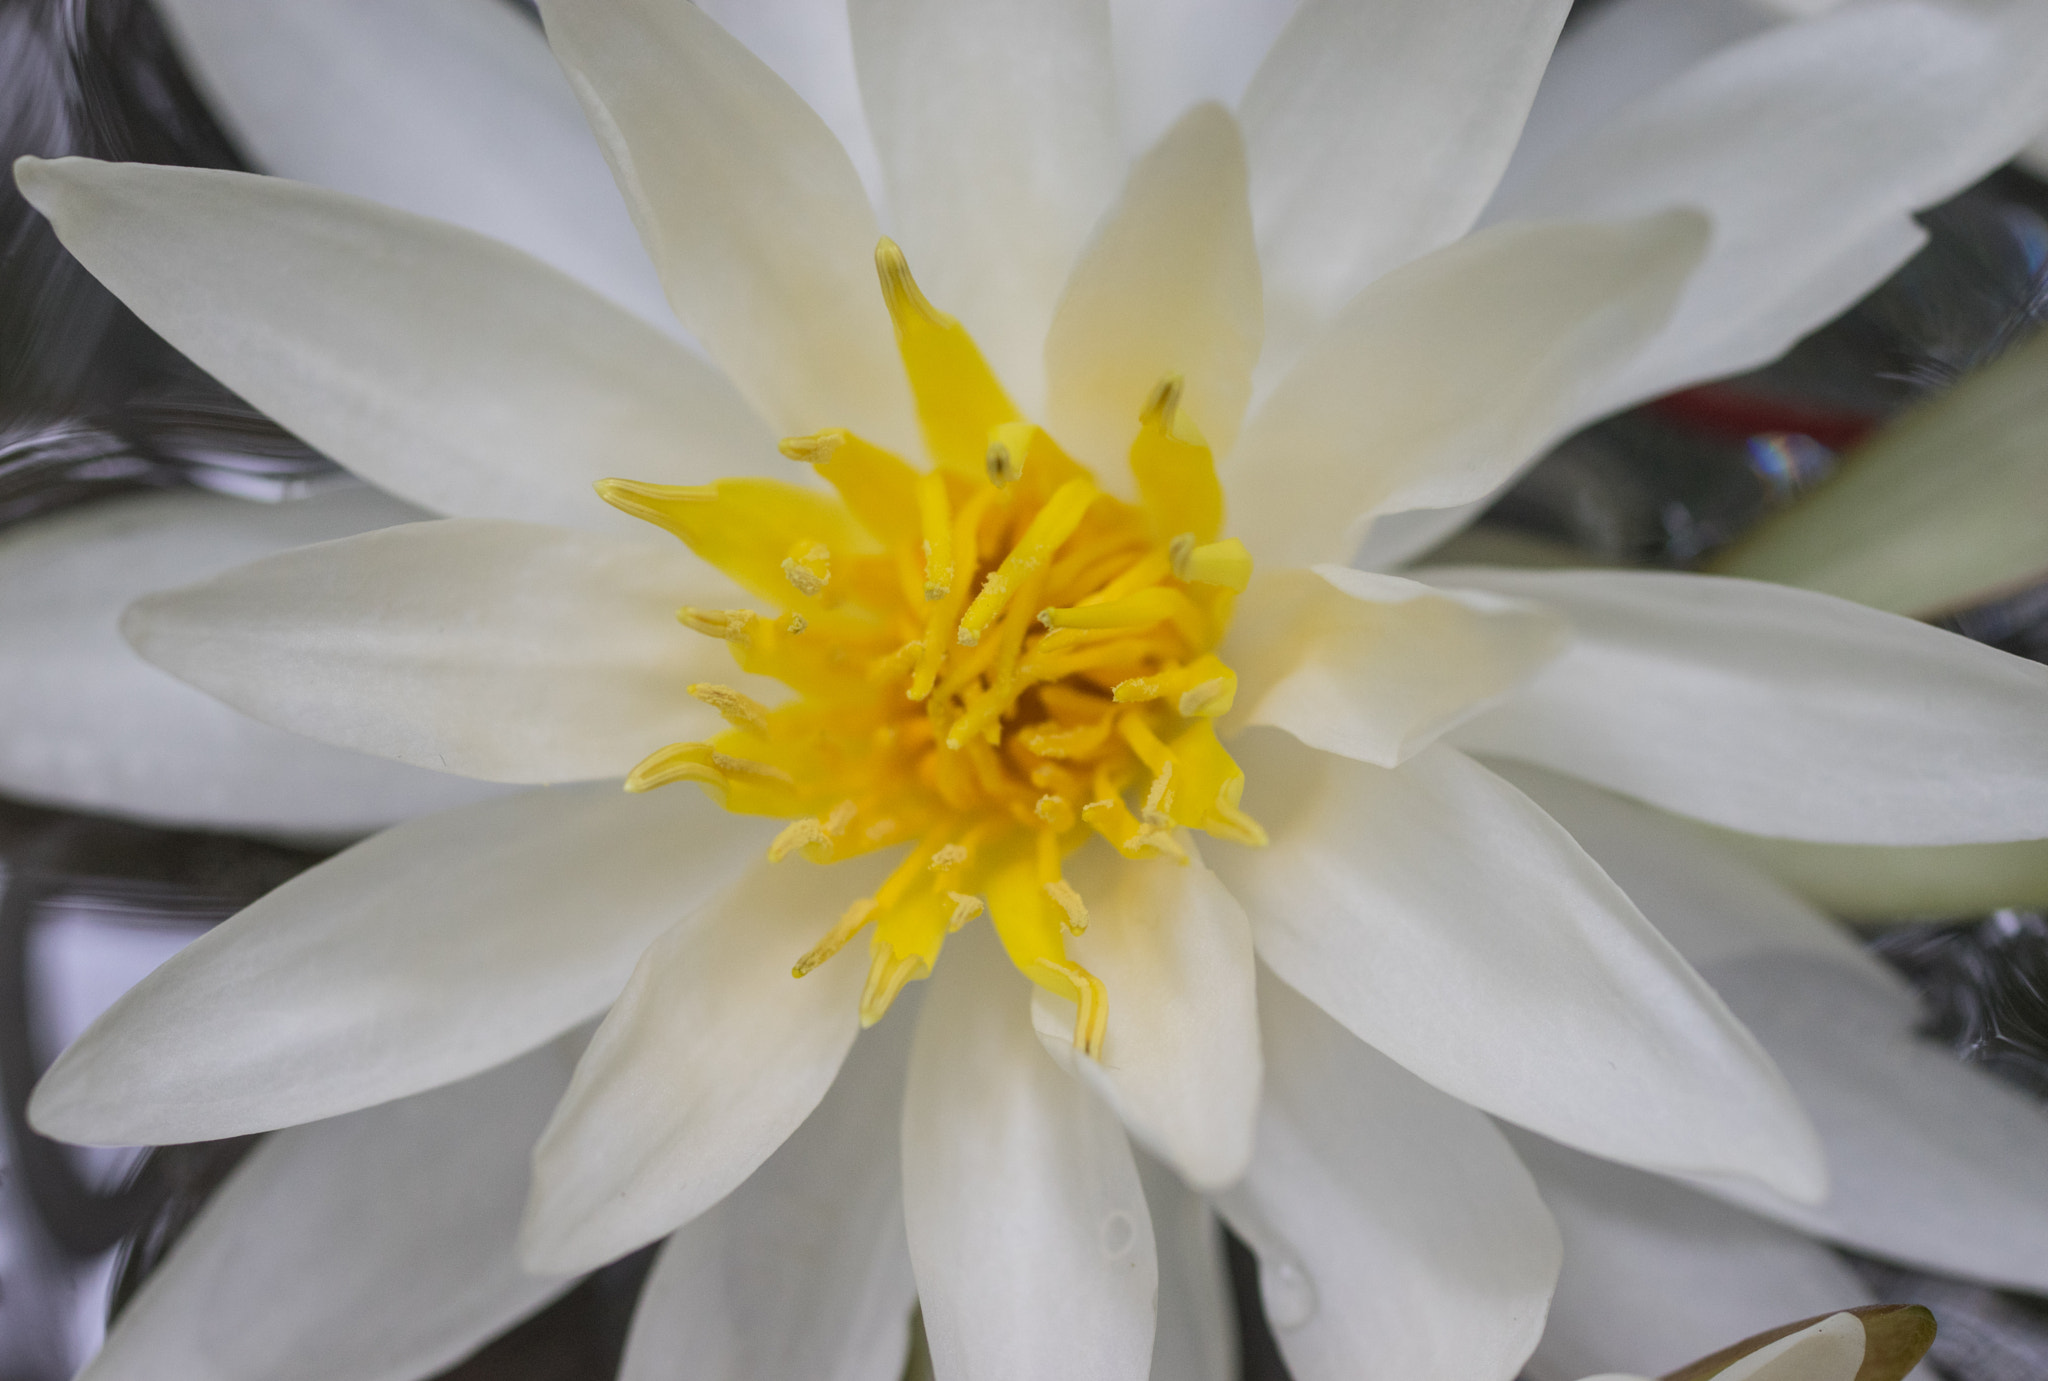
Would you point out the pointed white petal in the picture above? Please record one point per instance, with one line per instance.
(1805, 144)
(1776, 711)
(707, 1063)
(1169, 285)
(453, 109)
(1172, 54)
(1436, 382)
(1876, 882)
(1396, 1233)
(809, 44)
(500, 650)
(802, 1271)
(1180, 1063)
(1943, 509)
(749, 208)
(445, 367)
(1377, 133)
(997, 130)
(441, 947)
(1029, 1234)
(93, 726)
(367, 1248)
(1932, 1162)
(1196, 1338)
(1443, 918)
(1656, 1274)
(1376, 667)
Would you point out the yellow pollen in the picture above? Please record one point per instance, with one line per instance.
(989, 662)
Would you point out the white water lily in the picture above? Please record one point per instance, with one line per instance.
(1416, 899)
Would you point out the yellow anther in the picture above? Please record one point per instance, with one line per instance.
(679, 762)
(731, 624)
(1056, 811)
(839, 818)
(935, 520)
(949, 858)
(1009, 445)
(1225, 563)
(807, 834)
(747, 767)
(845, 929)
(1069, 902)
(795, 622)
(655, 503)
(1162, 404)
(965, 909)
(899, 290)
(1051, 526)
(1091, 1018)
(739, 710)
(815, 449)
(1140, 610)
(888, 971)
(1208, 698)
(809, 568)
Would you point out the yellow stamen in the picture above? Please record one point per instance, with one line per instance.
(1224, 563)
(1053, 525)
(935, 519)
(1091, 1018)
(740, 711)
(835, 939)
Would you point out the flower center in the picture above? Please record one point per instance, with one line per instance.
(989, 661)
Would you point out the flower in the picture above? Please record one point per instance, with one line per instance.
(461, 374)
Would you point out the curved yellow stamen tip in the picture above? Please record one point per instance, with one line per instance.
(888, 971)
(815, 449)
(965, 909)
(733, 625)
(680, 762)
(1074, 910)
(899, 289)
(835, 939)
(1091, 1000)
(651, 501)
(737, 709)
(1140, 610)
(1049, 528)
(1225, 563)
(807, 834)
(935, 521)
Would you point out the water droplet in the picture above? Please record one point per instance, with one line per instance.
(1119, 1233)
(1288, 1293)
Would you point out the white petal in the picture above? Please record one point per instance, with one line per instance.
(1932, 1162)
(1172, 54)
(93, 726)
(372, 1247)
(1377, 133)
(1396, 1233)
(997, 130)
(499, 650)
(1945, 508)
(1656, 1274)
(1443, 918)
(1180, 1063)
(809, 44)
(1028, 1227)
(802, 1272)
(710, 1059)
(453, 109)
(1436, 382)
(1776, 711)
(1197, 1338)
(1802, 144)
(445, 367)
(1376, 667)
(749, 208)
(1168, 285)
(424, 954)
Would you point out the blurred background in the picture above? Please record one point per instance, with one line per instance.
(93, 405)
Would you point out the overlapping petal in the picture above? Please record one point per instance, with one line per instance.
(452, 109)
(1195, 1339)
(1447, 921)
(439, 948)
(371, 1247)
(749, 208)
(996, 124)
(1376, 667)
(1397, 1234)
(1776, 711)
(1168, 286)
(500, 650)
(450, 369)
(93, 726)
(1436, 382)
(802, 1271)
(709, 1060)
(1172, 54)
(1377, 133)
(1030, 1235)
(1181, 1061)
